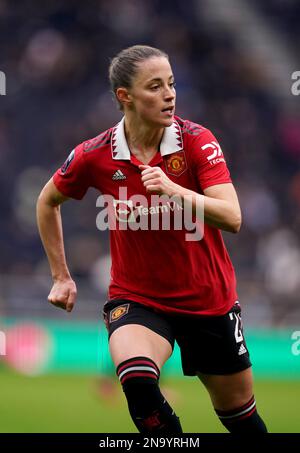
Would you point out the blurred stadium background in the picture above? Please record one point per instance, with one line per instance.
(233, 63)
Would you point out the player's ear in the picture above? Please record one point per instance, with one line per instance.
(124, 96)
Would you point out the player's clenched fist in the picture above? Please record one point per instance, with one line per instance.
(63, 294)
(156, 181)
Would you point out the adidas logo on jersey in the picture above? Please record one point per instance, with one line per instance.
(118, 175)
(242, 350)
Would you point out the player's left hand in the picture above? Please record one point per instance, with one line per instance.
(156, 181)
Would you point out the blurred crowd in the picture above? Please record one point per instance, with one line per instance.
(55, 56)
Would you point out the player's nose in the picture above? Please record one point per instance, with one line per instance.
(168, 93)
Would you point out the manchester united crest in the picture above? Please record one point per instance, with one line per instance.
(118, 312)
(176, 163)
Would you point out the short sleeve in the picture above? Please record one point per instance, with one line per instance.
(208, 160)
(72, 178)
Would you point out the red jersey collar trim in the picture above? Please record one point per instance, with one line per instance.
(171, 141)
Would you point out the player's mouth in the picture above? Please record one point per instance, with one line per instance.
(169, 111)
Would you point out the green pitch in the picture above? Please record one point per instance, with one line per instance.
(72, 403)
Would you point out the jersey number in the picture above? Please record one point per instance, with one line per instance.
(238, 334)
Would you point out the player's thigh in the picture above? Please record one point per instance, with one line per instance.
(229, 391)
(132, 340)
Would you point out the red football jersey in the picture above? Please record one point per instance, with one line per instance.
(157, 267)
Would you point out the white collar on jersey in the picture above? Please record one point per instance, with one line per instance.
(171, 141)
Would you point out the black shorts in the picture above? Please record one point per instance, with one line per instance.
(208, 344)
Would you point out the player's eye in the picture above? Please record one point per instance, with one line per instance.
(154, 87)
(173, 84)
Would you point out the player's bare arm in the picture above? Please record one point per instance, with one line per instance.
(221, 205)
(63, 292)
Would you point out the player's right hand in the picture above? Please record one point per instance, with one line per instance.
(63, 294)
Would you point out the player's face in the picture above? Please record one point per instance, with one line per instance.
(153, 92)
